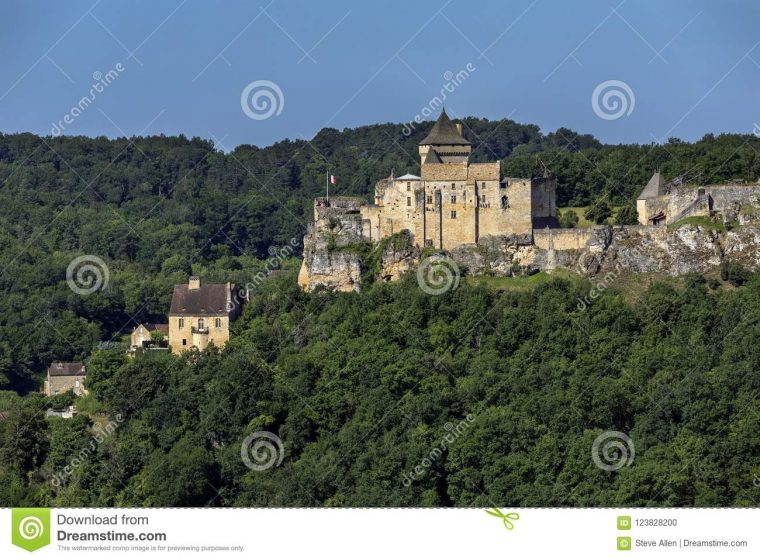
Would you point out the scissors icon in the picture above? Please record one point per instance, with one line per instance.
(506, 518)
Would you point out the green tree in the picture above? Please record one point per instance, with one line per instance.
(627, 215)
(599, 212)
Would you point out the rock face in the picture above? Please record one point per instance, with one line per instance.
(398, 255)
(326, 258)
(690, 248)
(329, 258)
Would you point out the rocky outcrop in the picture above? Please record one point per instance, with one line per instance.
(329, 259)
(398, 255)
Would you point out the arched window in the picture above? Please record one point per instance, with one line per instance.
(201, 323)
(504, 202)
(181, 322)
(218, 322)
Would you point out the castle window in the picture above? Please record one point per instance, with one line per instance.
(408, 201)
(504, 202)
(408, 186)
(453, 199)
(218, 322)
(201, 323)
(184, 341)
(429, 199)
(484, 184)
(453, 214)
(483, 198)
(453, 185)
(181, 322)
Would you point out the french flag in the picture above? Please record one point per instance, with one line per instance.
(332, 179)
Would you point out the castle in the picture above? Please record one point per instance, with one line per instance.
(453, 202)
(496, 225)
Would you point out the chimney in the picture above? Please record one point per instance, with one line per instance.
(459, 128)
(194, 283)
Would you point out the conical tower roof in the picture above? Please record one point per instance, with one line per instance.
(654, 188)
(444, 132)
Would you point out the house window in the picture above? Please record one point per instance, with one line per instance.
(429, 199)
(504, 202)
(76, 383)
(408, 201)
(453, 214)
(218, 322)
(184, 341)
(201, 323)
(453, 199)
(181, 322)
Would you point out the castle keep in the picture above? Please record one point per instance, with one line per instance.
(453, 202)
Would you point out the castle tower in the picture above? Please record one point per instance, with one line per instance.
(445, 143)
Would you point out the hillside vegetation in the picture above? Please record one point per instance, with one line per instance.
(359, 387)
(362, 388)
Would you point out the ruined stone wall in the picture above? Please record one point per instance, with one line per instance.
(562, 239)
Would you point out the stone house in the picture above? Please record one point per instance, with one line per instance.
(146, 336)
(62, 377)
(201, 314)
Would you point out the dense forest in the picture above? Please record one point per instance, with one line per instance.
(362, 388)
(359, 387)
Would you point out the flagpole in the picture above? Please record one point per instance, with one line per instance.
(327, 186)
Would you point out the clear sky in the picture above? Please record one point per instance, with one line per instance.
(690, 67)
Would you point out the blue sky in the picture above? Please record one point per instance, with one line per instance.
(691, 67)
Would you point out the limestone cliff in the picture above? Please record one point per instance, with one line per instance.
(333, 258)
(336, 256)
